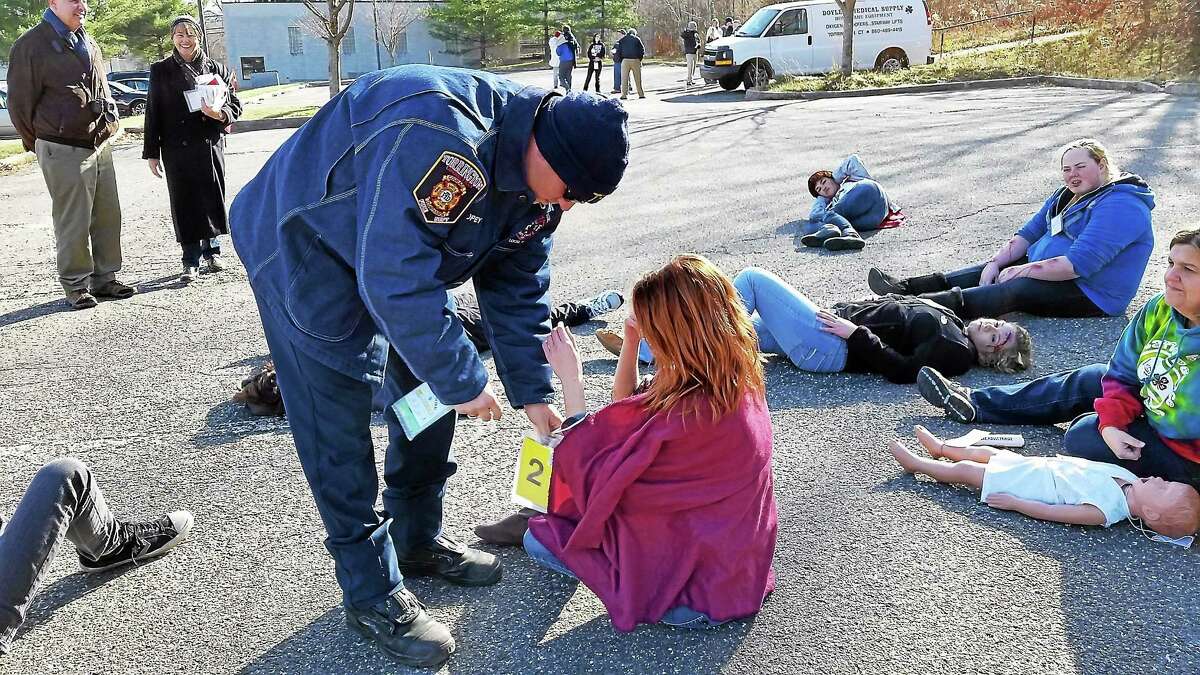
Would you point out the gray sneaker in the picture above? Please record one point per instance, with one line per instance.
(215, 264)
(144, 541)
(954, 399)
(605, 303)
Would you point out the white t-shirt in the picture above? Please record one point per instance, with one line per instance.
(1059, 480)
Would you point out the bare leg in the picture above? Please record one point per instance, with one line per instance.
(964, 472)
(938, 449)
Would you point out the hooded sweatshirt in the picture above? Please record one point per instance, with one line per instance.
(1151, 373)
(1106, 235)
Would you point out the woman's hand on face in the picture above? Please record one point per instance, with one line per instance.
(1123, 445)
(562, 354)
(989, 274)
(155, 167)
(832, 323)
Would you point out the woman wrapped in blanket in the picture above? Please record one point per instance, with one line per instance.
(678, 470)
(1083, 254)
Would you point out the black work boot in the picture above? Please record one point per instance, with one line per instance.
(402, 629)
(954, 399)
(951, 300)
(453, 561)
(847, 240)
(817, 239)
(882, 283)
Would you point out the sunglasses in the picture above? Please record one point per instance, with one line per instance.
(570, 195)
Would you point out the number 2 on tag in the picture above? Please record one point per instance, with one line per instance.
(531, 482)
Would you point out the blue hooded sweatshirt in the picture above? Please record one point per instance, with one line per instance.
(1106, 235)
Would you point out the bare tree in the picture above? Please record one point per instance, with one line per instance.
(327, 23)
(392, 20)
(847, 7)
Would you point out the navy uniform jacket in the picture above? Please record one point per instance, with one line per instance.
(409, 182)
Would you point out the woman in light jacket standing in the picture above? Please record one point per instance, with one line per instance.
(189, 147)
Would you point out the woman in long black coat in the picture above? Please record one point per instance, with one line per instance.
(190, 146)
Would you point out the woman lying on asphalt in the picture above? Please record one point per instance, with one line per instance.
(678, 470)
(893, 336)
(1059, 489)
(1145, 401)
(846, 201)
(1083, 254)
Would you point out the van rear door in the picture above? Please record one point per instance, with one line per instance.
(790, 42)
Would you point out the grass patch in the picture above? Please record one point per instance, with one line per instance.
(1085, 56)
(271, 112)
(11, 149)
(262, 92)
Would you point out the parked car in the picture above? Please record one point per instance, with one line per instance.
(130, 101)
(802, 38)
(7, 129)
(120, 75)
(141, 84)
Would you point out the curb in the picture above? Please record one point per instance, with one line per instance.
(241, 127)
(1136, 86)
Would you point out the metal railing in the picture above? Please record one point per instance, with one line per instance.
(943, 29)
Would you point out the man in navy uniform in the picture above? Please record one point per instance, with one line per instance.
(411, 181)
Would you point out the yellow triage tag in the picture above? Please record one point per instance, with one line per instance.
(531, 483)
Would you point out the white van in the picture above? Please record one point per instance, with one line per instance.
(805, 37)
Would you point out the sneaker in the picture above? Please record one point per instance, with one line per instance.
(403, 630)
(954, 399)
(215, 264)
(114, 289)
(605, 303)
(81, 299)
(615, 91)
(849, 241)
(143, 541)
(189, 274)
(817, 239)
(610, 340)
(453, 561)
(882, 283)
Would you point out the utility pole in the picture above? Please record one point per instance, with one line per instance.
(601, 21)
(375, 22)
(203, 32)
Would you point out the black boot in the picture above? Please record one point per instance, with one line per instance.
(453, 561)
(401, 629)
(882, 283)
(952, 300)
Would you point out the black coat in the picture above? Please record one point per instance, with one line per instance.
(192, 148)
(896, 335)
(631, 47)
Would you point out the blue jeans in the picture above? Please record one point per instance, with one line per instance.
(62, 500)
(616, 76)
(786, 323)
(193, 250)
(679, 617)
(1050, 399)
(329, 413)
(1083, 440)
(863, 207)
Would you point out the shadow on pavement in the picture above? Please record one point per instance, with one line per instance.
(35, 312)
(63, 592)
(228, 422)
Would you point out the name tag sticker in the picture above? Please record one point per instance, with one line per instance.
(1056, 225)
(531, 483)
(418, 409)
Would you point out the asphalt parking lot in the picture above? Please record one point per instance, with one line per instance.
(877, 571)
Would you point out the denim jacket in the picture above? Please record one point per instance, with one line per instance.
(409, 182)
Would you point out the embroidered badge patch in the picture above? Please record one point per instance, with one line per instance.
(526, 233)
(448, 189)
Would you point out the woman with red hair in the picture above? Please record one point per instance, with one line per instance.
(661, 502)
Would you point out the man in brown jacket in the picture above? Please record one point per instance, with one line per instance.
(60, 103)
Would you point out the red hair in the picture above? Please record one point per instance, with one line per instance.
(701, 336)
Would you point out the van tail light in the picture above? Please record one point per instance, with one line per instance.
(928, 14)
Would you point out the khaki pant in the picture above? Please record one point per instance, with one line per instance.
(691, 66)
(631, 67)
(86, 212)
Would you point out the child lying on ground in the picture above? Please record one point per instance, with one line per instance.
(1059, 489)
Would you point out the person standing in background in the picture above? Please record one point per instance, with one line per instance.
(616, 58)
(566, 57)
(595, 55)
(714, 32)
(690, 43)
(555, 41)
(189, 146)
(728, 28)
(61, 106)
(632, 51)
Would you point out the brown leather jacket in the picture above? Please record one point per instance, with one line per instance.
(50, 95)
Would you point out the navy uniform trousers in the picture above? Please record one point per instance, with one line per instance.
(330, 418)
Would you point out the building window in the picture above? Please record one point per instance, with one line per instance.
(348, 42)
(252, 65)
(295, 40)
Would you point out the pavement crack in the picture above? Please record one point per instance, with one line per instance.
(991, 206)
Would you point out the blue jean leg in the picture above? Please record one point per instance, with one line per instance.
(1083, 439)
(1051, 399)
(330, 418)
(616, 75)
(787, 321)
(678, 617)
(863, 207)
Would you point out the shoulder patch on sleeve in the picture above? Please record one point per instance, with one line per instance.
(448, 189)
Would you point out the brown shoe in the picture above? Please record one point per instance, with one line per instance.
(81, 299)
(508, 531)
(610, 340)
(114, 289)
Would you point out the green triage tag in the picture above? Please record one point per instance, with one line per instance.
(418, 409)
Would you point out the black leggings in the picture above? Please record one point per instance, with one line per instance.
(963, 294)
(592, 68)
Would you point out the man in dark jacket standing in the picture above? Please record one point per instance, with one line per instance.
(61, 106)
(632, 52)
(411, 181)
